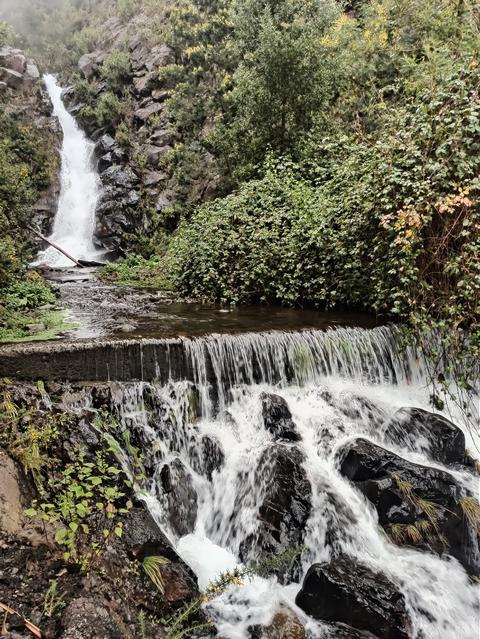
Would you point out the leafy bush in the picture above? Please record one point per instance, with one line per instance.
(28, 293)
(252, 245)
(108, 111)
(116, 70)
(126, 8)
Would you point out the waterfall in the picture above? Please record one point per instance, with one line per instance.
(74, 222)
(339, 384)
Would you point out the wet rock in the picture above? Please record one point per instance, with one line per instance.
(105, 162)
(416, 504)
(351, 593)
(342, 631)
(277, 418)
(357, 407)
(285, 509)
(285, 625)
(181, 499)
(105, 144)
(143, 537)
(212, 455)
(444, 441)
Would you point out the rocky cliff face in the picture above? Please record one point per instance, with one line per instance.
(135, 137)
(23, 96)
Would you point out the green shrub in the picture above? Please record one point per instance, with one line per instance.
(28, 293)
(252, 245)
(116, 70)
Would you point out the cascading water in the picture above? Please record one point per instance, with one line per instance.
(209, 435)
(75, 218)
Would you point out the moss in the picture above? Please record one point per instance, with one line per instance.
(16, 332)
(138, 272)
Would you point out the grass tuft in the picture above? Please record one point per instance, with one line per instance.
(152, 565)
(471, 511)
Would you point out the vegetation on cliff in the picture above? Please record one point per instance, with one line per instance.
(28, 167)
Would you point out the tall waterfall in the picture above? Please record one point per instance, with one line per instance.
(340, 385)
(75, 218)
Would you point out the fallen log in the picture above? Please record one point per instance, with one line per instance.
(55, 246)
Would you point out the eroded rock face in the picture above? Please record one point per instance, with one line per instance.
(444, 441)
(348, 592)
(407, 494)
(13, 502)
(277, 418)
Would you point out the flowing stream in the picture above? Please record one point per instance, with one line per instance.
(339, 384)
(74, 222)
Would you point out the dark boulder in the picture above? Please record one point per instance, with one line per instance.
(213, 456)
(277, 417)
(181, 498)
(443, 441)
(121, 177)
(342, 631)
(285, 509)
(416, 504)
(104, 162)
(351, 593)
(105, 144)
(143, 537)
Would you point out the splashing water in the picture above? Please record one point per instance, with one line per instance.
(74, 223)
(321, 375)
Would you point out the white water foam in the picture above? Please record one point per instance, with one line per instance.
(321, 376)
(74, 222)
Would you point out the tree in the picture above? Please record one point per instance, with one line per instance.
(285, 77)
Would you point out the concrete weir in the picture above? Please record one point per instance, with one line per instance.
(224, 360)
(115, 360)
